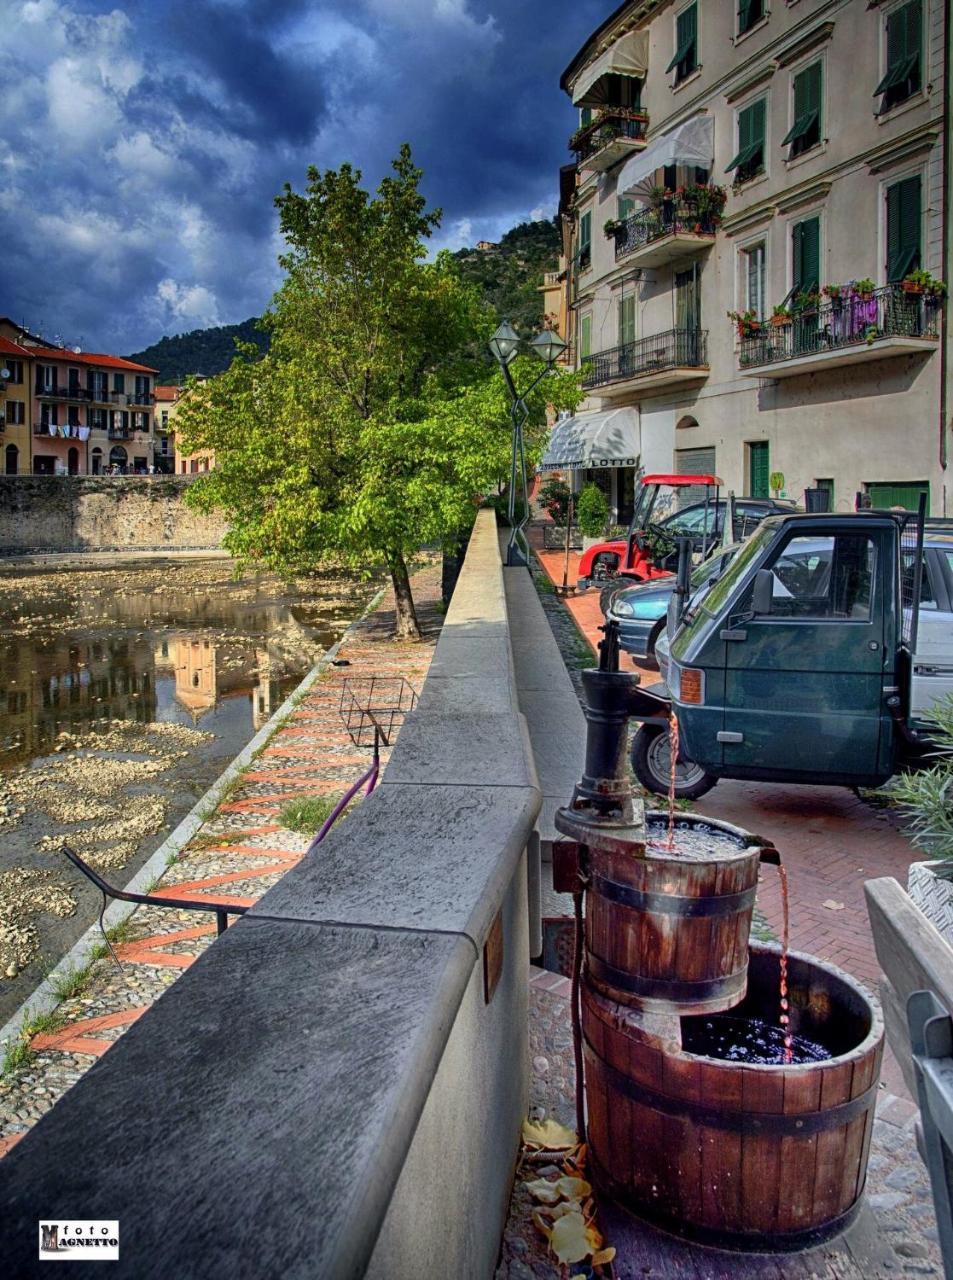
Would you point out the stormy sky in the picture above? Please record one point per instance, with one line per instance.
(141, 145)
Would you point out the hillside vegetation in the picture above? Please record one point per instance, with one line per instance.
(508, 275)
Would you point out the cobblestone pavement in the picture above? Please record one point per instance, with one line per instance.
(239, 852)
(898, 1189)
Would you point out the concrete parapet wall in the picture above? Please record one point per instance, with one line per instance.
(102, 513)
(331, 1089)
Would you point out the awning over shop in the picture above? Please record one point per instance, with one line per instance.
(629, 56)
(610, 438)
(691, 143)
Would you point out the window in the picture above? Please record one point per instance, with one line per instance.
(685, 61)
(625, 207)
(626, 320)
(119, 382)
(825, 577)
(165, 419)
(97, 419)
(904, 38)
(750, 12)
(585, 240)
(759, 469)
(15, 369)
(15, 412)
(753, 260)
(585, 117)
(806, 255)
(806, 130)
(585, 337)
(749, 160)
(48, 415)
(903, 228)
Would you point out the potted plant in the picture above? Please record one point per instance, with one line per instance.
(554, 499)
(612, 227)
(916, 281)
(780, 315)
(927, 799)
(592, 514)
(806, 300)
(864, 289)
(746, 323)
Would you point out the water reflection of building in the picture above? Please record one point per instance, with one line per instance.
(206, 672)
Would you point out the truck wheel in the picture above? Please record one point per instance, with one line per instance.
(609, 593)
(651, 765)
(604, 566)
(650, 658)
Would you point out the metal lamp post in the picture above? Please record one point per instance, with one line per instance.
(505, 344)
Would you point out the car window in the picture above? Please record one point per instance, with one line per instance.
(691, 520)
(720, 594)
(927, 594)
(824, 578)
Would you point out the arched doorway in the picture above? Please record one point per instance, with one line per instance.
(72, 462)
(97, 462)
(118, 457)
(12, 460)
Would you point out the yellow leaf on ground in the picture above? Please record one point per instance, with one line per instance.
(572, 1188)
(595, 1239)
(568, 1238)
(548, 1134)
(604, 1255)
(543, 1191)
(542, 1225)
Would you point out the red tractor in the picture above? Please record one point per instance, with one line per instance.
(650, 549)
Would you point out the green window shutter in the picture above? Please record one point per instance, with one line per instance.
(807, 104)
(806, 242)
(585, 117)
(624, 207)
(626, 320)
(903, 228)
(585, 231)
(751, 128)
(686, 31)
(759, 467)
(585, 337)
(904, 41)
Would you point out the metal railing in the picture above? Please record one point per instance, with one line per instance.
(668, 219)
(610, 125)
(57, 392)
(848, 321)
(674, 349)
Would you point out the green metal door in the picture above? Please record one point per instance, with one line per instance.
(759, 469)
(907, 496)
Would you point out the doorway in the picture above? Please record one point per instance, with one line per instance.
(12, 460)
(72, 462)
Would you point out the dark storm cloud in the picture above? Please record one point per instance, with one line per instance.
(144, 145)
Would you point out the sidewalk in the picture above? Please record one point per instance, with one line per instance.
(830, 840)
(240, 851)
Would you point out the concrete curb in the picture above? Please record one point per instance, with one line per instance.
(44, 999)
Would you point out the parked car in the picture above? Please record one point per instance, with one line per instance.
(640, 611)
(819, 685)
(704, 524)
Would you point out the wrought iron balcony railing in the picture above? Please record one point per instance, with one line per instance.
(668, 219)
(610, 124)
(57, 392)
(674, 349)
(851, 320)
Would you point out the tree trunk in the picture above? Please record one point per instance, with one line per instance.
(407, 628)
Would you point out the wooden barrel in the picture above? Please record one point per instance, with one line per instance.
(668, 932)
(758, 1157)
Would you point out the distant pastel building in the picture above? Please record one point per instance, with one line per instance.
(485, 245)
(15, 375)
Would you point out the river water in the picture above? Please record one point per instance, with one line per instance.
(124, 693)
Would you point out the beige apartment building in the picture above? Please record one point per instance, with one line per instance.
(785, 162)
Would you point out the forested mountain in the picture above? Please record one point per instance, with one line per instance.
(509, 274)
(205, 351)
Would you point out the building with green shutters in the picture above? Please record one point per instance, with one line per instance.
(783, 162)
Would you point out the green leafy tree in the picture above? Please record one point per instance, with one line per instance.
(592, 511)
(375, 423)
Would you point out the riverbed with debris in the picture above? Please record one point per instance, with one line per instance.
(124, 693)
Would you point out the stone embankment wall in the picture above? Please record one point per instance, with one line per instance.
(103, 513)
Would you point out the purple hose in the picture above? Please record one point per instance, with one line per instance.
(370, 777)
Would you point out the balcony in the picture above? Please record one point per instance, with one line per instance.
(143, 397)
(56, 392)
(851, 329)
(659, 362)
(614, 134)
(656, 236)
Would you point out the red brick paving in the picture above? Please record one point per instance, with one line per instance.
(830, 840)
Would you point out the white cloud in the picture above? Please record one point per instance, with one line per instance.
(193, 303)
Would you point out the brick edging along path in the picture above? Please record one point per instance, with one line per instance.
(239, 852)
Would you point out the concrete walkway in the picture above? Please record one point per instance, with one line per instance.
(240, 851)
(830, 840)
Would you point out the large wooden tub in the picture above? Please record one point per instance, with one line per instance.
(757, 1157)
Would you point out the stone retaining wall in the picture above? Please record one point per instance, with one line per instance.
(102, 513)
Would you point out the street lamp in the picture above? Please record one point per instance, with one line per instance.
(548, 346)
